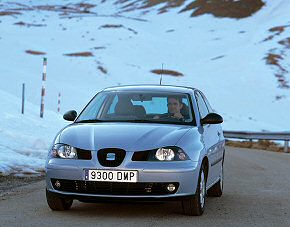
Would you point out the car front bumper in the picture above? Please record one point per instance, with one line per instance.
(183, 173)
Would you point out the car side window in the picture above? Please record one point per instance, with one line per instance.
(207, 104)
(203, 111)
(113, 105)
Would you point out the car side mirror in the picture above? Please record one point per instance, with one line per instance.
(212, 118)
(70, 115)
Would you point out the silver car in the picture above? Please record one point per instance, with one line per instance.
(136, 143)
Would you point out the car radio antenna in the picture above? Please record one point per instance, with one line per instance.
(161, 74)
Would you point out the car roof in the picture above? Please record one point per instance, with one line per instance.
(151, 87)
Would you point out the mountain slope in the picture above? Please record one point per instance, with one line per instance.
(89, 46)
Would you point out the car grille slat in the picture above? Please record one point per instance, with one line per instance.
(112, 188)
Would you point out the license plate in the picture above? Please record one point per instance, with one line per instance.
(111, 175)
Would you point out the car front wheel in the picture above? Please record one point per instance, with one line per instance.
(57, 203)
(195, 206)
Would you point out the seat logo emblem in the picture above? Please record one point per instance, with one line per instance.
(111, 156)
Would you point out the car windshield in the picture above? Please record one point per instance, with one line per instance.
(133, 106)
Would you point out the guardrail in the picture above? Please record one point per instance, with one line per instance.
(284, 136)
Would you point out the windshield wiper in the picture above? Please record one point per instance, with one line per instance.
(89, 121)
(158, 121)
(140, 120)
(152, 121)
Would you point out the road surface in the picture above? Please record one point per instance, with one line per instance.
(256, 193)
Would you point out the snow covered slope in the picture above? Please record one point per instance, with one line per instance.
(242, 65)
(24, 139)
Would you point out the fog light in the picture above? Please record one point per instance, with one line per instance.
(171, 187)
(57, 184)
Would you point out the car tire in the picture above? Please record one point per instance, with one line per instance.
(57, 203)
(217, 189)
(195, 206)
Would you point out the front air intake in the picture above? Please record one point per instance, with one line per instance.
(111, 157)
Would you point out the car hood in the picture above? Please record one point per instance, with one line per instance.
(128, 136)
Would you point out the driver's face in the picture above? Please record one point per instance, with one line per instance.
(174, 106)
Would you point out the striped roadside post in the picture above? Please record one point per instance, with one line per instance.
(58, 102)
(23, 98)
(43, 87)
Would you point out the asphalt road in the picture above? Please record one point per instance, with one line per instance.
(256, 193)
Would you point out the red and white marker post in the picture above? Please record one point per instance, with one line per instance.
(43, 87)
(58, 102)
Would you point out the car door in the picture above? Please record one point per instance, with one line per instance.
(218, 127)
(210, 139)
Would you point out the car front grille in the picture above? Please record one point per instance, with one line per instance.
(112, 188)
(141, 155)
(84, 154)
(119, 155)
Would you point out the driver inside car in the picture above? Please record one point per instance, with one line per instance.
(174, 105)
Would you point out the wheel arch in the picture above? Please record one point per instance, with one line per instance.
(205, 163)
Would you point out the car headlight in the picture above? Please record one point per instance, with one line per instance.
(170, 154)
(164, 154)
(63, 151)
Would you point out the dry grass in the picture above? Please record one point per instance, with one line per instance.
(111, 26)
(278, 30)
(222, 8)
(7, 13)
(219, 8)
(80, 54)
(99, 48)
(85, 5)
(21, 23)
(34, 52)
(285, 42)
(79, 8)
(135, 5)
(261, 144)
(275, 56)
(166, 72)
(102, 69)
(274, 59)
(67, 10)
(118, 26)
(278, 97)
(218, 57)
